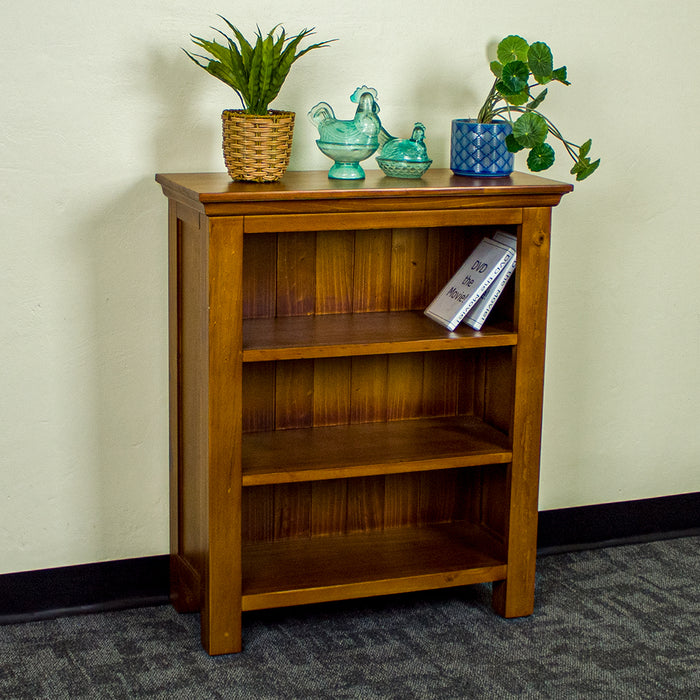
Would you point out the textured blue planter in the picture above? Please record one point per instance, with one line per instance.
(479, 150)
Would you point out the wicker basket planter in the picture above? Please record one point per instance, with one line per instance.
(257, 147)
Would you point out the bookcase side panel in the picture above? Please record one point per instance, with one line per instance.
(190, 394)
(222, 590)
(514, 597)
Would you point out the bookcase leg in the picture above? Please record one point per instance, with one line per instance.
(222, 629)
(514, 598)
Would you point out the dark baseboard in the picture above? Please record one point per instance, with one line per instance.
(626, 522)
(131, 583)
(87, 588)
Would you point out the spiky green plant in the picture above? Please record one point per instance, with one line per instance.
(519, 62)
(256, 71)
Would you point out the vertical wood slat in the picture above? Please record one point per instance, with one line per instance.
(258, 396)
(369, 389)
(404, 398)
(401, 499)
(408, 269)
(498, 388)
(437, 496)
(292, 510)
(372, 274)
(365, 504)
(329, 507)
(334, 272)
(332, 391)
(446, 375)
(446, 249)
(260, 276)
(258, 513)
(294, 394)
(493, 494)
(296, 274)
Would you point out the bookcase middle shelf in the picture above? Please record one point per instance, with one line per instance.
(368, 449)
(338, 335)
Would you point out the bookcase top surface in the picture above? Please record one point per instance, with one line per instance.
(212, 188)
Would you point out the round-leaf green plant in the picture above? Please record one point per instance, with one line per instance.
(520, 68)
(255, 70)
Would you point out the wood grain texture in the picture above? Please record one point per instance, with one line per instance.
(312, 192)
(370, 448)
(221, 606)
(259, 294)
(372, 281)
(514, 597)
(339, 335)
(366, 563)
(335, 260)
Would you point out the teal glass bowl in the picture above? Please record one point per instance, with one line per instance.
(346, 157)
(403, 168)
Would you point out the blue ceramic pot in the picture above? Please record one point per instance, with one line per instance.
(479, 150)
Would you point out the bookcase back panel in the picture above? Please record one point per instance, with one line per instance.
(326, 272)
(365, 504)
(363, 389)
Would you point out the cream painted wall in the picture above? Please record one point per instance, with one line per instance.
(97, 97)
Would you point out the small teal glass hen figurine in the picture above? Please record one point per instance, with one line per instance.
(405, 157)
(347, 142)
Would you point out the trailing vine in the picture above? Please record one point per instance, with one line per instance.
(520, 68)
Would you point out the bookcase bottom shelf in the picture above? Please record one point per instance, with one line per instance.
(399, 560)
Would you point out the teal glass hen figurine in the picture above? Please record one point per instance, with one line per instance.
(405, 157)
(347, 142)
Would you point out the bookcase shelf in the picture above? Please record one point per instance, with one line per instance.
(338, 335)
(328, 440)
(368, 449)
(349, 566)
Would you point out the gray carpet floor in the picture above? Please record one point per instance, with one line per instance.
(621, 622)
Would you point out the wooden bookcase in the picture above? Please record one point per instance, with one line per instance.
(328, 441)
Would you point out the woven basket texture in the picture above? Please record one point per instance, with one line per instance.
(257, 147)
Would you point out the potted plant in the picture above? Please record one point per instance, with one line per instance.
(510, 119)
(256, 140)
